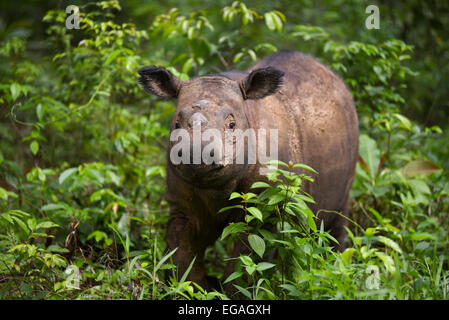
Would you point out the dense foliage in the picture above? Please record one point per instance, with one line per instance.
(82, 152)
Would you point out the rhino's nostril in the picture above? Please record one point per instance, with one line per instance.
(180, 153)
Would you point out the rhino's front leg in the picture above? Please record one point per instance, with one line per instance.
(181, 234)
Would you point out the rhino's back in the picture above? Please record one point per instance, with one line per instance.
(317, 123)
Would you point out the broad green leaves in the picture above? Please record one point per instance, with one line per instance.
(233, 228)
(255, 212)
(239, 8)
(274, 20)
(257, 244)
(370, 155)
(34, 147)
(66, 174)
(16, 89)
(277, 205)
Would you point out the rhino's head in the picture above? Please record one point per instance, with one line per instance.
(209, 115)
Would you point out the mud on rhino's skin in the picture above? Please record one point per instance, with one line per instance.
(289, 91)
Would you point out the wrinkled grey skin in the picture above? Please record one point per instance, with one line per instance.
(289, 91)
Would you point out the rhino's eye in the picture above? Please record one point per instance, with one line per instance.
(230, 122)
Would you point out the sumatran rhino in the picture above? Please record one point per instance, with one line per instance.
(314, 115)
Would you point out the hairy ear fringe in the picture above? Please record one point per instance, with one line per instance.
(159, 81)
(261, 83)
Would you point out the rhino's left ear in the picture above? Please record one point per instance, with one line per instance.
(159, 81)
(261, 83)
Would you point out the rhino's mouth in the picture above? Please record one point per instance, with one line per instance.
(202, 175)
(199, 170)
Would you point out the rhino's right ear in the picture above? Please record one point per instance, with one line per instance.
(261, 82)
(159, 81)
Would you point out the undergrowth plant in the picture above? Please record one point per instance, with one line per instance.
(291, 257)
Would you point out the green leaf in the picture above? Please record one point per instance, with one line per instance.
(255, 212)
(187, 65)
(97, 195)
(190, 33)
(52, 207)
(3, 194)
(387, 260)
(292, 290)
(310, 219)
(264, 266)
(15, 90)
(252, 54)
(98, 235)
(114, 178)
(21, 224)
(267, 234)
(31, 224)
(40, 235)
(34, 147)
(269, 21)
(124, 244)
(280, 15)
(56, 248)
(277, 22)
(238, 56)
(155, 170)
(276, 198)
(247, 261)
(233, 276)
(19, 213)
(66, 174)
(257, 244)
(420, 190)
(370, 154)
(403, 121)
(233, 228)
(235, 195)
(260, 184)
(164, 258)
(112, 56)
(7, 217)
(369, 232)
(390, 243)
(230, 207)
(278, 163)
(245, 292)
(186, 273)
(346, 255)
(304, 166)
(46, 225)
(39, 112)
(418, 236)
